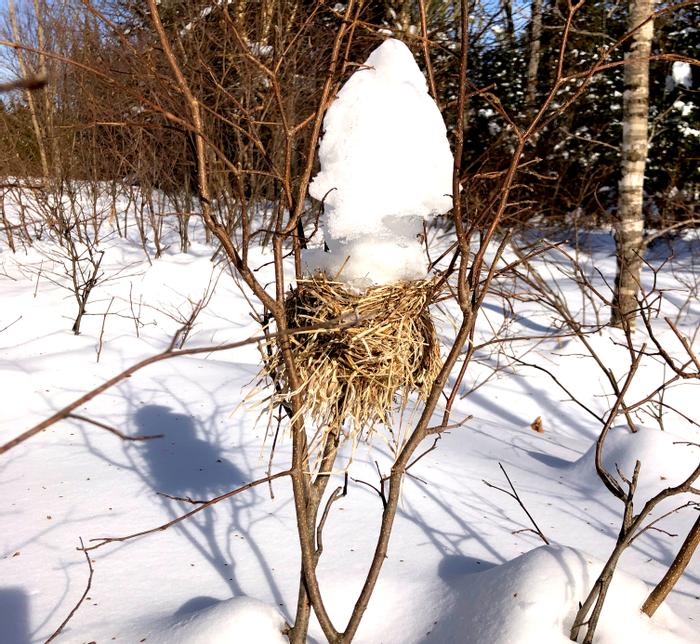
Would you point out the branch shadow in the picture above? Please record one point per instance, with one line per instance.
(198, 457)
(181, 464)
(453, 567)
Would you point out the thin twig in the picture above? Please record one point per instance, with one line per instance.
(514, 494)
(102, 541)
(425, 453)
(102, 329)
(184, 499)
(11, 324)
(113, 430)
(57, 632)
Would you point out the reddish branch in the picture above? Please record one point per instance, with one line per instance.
(165, 355)
(339, 323)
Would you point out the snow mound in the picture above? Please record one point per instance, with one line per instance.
(534, 598)
(665, 460)
(242, 620)
(386, 165)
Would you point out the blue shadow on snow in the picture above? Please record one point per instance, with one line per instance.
(181, 464)
(14, 616)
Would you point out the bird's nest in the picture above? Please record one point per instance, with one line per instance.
(359, 355)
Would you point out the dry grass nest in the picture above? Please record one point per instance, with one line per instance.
(375, 348)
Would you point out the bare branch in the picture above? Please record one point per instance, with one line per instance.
(102, 541)
(57, 632)
(514, 494)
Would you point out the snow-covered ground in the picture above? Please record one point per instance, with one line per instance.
(460, 567)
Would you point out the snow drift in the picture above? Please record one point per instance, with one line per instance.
(534, 598)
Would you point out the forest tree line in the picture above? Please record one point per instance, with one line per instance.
(258, 66)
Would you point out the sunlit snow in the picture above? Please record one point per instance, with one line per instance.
(386, 166)
(459, 569)
(682, 74)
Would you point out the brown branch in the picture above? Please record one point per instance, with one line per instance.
(57, 632)
(38, 81)
(112, 430)
(102, 541)
(676, 569)
(378, 490)
(165, 355)
(344, 322)
(628, 531)
(102, 329)
(425, 453)
(338, 493)
(439, 429)
(667, 358)
(425, 41)
(560, 385)
(610, 483)
(514, 494)
(686, 345)
(652, 524)
(10, 324)
(184, 499)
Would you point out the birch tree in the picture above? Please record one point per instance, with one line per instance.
(534, 55)
(27, 74)
(630, 217)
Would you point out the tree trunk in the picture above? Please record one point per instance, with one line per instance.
(630, 217)
(26, 74)
(39, 12)
(509, 28)
(664, 587)
(533, 64)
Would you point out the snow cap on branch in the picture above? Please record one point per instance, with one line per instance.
(682, 74)
(386, 166)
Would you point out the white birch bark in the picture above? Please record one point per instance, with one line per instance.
(534, 55)
(24, 70)
(630, 217)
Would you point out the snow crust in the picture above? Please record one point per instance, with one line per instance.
(386, 165)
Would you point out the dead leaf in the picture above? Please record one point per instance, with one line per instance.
(537, 425)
